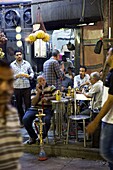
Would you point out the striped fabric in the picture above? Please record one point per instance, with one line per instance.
(10, 140)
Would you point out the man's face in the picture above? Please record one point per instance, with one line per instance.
(109, 59)
(18, 56)
(82, 72)
(92, 80)
(58, 56)
(6, 85)
(42, 82)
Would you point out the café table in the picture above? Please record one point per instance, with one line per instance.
(59, 110)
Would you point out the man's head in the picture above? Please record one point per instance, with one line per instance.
(64, 58)
(18, 55)
(6, 82)
(108, 64)
(94, 77)
(109, 59)
(101, 73)
(56, 54)
(82, 71)
(41, 81)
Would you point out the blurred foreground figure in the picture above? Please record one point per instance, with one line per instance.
(106, 115)
(10, 137)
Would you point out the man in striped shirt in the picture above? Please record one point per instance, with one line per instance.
(10, 136)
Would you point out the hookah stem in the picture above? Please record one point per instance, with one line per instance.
(43, 97)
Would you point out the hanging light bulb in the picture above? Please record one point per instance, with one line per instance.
(18, 36)
(19, 43)
(18, 29)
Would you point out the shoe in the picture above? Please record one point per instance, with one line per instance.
(30, 141)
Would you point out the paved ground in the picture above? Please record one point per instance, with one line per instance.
(31, 162)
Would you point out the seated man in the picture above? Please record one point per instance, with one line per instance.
(82, 82)
(44, 94)
(66, 82)
(82, 79)
(95, 93)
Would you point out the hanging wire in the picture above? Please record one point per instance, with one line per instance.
(91, 3)
(100, 11)
(83, 11)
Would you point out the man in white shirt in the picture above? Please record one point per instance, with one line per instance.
(95, 93)
(82, 79)
(22, 74)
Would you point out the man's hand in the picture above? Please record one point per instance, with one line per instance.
(91, 127)
(38, 89)
(22, 75)
(44, 99)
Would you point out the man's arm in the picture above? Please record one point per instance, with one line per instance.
(57, 70)
(36, 98)
(106, 107)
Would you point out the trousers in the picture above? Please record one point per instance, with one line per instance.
(29, 117)
(106, 143)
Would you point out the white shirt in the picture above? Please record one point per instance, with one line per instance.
(24, 67)
(96, 93)
(78, 80)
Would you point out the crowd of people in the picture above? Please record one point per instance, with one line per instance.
(15, 79)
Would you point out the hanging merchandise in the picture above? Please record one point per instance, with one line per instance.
(70, 46)
(98, 46)
(40, 33)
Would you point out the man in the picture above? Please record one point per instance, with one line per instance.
(82, 79)
(52, 72)
(95, 92)
(41, 100)
(22, 74)
(66, 82)
(67, 63)
(10, 136)
(106, 139)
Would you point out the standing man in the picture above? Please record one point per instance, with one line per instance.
(22, 74)
(52, 72)
(10, 136)
(106, 115)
